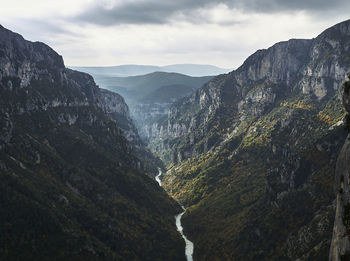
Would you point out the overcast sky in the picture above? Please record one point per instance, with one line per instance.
(161, 32)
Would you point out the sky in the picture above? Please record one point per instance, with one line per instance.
(162, 32)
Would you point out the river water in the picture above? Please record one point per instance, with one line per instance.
(158, 177)
(189, 245)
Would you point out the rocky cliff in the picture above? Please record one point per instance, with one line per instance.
(147, 116)
(340, 247)
(155, 107)
(115, 106)
(73, 183)
(295, 67)
(257, 148)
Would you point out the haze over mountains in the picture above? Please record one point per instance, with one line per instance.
(134, 88)
(149, 96)
(133, 70)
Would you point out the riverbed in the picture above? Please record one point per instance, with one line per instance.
(189, 245)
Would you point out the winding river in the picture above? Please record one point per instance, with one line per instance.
(189, 244)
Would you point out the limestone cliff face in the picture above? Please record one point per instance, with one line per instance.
(23, 61)
(296, 67)
(147, 115)
(24, 64)
(114, 103)
(274, 127)
(69, 94)
(115, 106)
(340, 247)
(154, 108)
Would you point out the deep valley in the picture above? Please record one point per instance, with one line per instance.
(251, 164)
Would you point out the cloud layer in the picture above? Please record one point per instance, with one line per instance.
(161, 32)
(167, 11)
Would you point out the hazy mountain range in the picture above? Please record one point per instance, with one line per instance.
(133, 69)
(149, 95)
(134, 88)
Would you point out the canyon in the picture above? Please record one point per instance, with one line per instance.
(251, 164)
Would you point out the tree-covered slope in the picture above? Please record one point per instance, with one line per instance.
(73, 186)
(252, 153)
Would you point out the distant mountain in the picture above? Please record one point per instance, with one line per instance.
(150, 95)
(168, 93)
(120, 70)
(133, 88)
(133, 70)
(195, 69)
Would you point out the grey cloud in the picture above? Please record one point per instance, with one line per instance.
(41, 28)
(163, 11)
(145, 12)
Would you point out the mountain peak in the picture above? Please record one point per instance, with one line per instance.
(27, 60)
(339, 30)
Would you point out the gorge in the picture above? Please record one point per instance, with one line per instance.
(251, 193)
(250, 165)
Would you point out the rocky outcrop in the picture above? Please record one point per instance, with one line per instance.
(115, 106)
(147, 116)
(154, 108)
(340, 247)
(23, 61)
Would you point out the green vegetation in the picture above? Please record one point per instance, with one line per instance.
(72, 187)
(242, 204)
(255, 165)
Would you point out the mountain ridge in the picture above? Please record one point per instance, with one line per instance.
(195, 70)
(228, 158)
(73, 183)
